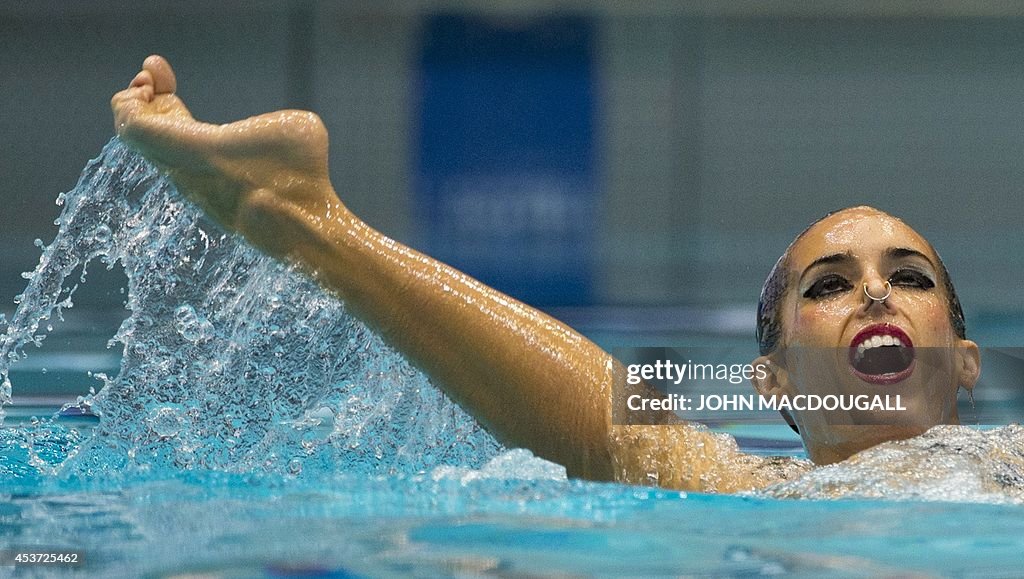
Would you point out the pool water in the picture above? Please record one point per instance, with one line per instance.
(225, 451)
(514, 516)
(504, 523)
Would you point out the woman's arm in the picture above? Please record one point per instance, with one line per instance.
(531, 380)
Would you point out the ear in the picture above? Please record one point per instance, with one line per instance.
(771, 379)
(968, 364)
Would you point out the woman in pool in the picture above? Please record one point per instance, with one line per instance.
(531, 380)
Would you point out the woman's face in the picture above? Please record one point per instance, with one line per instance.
(838, 340)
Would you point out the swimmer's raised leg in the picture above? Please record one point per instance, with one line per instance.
(229, 170)
(531, 380)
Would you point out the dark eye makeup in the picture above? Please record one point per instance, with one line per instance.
(833, 283)
(910, 277)
(827, 285)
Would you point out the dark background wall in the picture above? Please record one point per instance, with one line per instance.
(720, 132)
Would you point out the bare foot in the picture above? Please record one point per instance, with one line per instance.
(240, 173)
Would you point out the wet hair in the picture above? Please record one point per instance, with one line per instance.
(769, 307)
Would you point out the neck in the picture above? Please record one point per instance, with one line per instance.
(846, 441)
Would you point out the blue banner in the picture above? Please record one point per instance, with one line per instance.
(505, 181)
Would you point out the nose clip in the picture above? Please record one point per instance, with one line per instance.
(881, 300)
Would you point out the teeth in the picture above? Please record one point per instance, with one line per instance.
(876, 342)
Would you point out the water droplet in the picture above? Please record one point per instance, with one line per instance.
(166, 421)
(184, 457)
(190, 325)
(184, 313)
(101, 234)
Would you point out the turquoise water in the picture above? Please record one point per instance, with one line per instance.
(251, 428)
(448, 525)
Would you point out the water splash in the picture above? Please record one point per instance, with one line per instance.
(231, 361)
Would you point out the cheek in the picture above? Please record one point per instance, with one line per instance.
(819, 323)
(932, 315)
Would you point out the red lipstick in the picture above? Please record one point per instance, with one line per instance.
(882, 354)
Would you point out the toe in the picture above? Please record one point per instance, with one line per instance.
(134, 94)
(143, 78)
(162, 74)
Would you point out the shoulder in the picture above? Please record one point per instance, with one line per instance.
(690, 457)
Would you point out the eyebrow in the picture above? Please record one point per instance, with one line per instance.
(834, 258)
(904, 252)
(846, 256)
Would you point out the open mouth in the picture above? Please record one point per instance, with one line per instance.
(882, 354)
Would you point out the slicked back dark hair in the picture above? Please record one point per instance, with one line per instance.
(769, 307)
